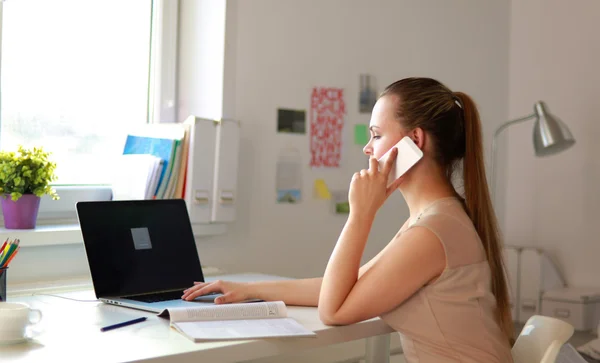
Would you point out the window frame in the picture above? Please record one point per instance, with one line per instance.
(161, 107)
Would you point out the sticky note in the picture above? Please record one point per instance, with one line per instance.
(321, 190)
(361, 134)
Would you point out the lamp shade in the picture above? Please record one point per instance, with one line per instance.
(550, 134)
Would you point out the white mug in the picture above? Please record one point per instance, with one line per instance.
(14, 320)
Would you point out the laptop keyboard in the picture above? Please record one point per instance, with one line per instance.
(161, 296)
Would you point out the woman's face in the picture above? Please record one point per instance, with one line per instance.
(385, 129)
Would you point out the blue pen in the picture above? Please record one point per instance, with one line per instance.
(125, 323)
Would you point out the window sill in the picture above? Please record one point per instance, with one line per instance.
(65, 234)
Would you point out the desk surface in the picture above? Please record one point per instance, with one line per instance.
(70, 331)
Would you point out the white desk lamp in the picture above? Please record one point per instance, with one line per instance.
(550, 135)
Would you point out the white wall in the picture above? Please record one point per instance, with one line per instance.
(554, 203)
(276, 51)
(283, 48)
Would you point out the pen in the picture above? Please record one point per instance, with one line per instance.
(125, 323)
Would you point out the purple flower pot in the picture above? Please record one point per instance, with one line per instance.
(20, 214)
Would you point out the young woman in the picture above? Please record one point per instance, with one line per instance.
(440, 281)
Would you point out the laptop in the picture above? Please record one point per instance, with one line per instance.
(141, 253)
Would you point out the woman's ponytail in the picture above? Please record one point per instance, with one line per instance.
(480, 209)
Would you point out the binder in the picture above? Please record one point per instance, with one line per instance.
(200, 164)
(512, 263)
(531, 284)
(226, 171)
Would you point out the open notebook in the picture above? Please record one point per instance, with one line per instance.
(235, 321)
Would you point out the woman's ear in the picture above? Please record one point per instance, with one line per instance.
(418, 137)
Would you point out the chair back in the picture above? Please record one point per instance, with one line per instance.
(540, 340)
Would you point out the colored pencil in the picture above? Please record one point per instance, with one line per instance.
(8, 251)
(3, 245)
(5, 251)
(10, 258)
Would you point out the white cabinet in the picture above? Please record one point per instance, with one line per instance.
(579, 306)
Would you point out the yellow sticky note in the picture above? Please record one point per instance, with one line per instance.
(321, 190)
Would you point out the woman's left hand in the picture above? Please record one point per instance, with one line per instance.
(369, 189)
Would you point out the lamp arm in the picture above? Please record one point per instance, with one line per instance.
(512, 122)
(493, 162)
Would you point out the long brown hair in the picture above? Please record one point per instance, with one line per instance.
(452, 121)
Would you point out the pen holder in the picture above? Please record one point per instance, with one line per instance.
(3, 283)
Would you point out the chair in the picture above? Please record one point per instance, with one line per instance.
(540, 340)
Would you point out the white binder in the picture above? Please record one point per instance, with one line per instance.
(530, 289)
(226, 171)
(201, 163)
(530, 272)
(538, 274)
(511, 261)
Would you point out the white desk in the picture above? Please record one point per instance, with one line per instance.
(69, 332)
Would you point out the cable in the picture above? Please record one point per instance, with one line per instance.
(68, 298)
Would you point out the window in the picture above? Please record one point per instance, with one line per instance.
(75, 76)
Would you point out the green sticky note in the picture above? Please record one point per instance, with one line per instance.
(361, 134)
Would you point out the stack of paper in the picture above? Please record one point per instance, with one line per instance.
(154, 163)
(590, 350)
(136, 176)
(568, 354)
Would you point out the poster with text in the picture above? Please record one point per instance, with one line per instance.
(327, 110)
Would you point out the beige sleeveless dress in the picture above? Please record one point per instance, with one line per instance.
(453, 318)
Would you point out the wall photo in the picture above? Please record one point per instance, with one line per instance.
(291, 121)
(367, 95)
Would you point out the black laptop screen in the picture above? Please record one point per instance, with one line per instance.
(141, 246)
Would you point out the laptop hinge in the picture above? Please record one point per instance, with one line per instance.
(150, 293)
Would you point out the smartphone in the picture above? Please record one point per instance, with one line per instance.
(408, 155)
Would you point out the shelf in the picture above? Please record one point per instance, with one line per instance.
(65, 234)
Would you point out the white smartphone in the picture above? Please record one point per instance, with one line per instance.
(408, 155)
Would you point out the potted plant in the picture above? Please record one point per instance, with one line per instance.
(25, 176)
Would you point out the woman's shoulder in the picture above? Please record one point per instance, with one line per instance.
(456, 232)
(445, 212)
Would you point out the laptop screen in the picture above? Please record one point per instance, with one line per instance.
(139, 246)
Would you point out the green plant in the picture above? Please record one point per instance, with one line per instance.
(27, 171)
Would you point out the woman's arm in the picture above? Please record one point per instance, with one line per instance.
(342, 269)
(301, 292)
(406, 264)
(409, 261)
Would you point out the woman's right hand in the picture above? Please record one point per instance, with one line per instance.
(232, 291)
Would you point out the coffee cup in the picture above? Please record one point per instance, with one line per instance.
(14, 320)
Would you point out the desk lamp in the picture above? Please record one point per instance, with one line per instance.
(550, 135)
